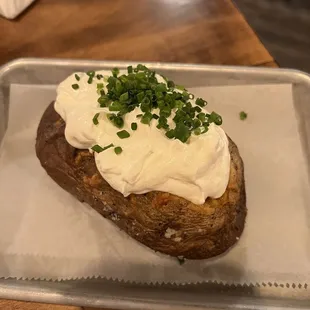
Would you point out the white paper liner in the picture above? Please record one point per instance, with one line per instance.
(46, 233)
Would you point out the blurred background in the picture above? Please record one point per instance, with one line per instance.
(284, 28)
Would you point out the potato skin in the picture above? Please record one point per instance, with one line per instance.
(162, 221)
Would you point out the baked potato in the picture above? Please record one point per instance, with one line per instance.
(161, 221)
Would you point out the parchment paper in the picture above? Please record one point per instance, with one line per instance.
(46, 233)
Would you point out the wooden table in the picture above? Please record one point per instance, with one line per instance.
(188, 31)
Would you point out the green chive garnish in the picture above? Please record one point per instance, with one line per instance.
(201, 102)
(115, 72)
(201, 116)
(180, 87)
(140, 88)
(170, 84)
(95, 118)
(181, 132)
(123, 134)
(98, 149)
(116, 120)
(155, 116)
(215, 118)
(146, 118)
(124, 97)
(75, 86)
(103, 101)
(134, 126)
(77, 77)
(118, 150)
(243, 115)
(91, 73)
(197, 131)
(170, 134)
(100, 86)
(129, 69)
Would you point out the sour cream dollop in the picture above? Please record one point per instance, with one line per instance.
(149, 160)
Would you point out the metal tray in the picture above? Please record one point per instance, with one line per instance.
(120, 295)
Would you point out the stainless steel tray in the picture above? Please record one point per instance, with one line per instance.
(120, 295)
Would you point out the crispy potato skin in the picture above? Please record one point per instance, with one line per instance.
(196, 231)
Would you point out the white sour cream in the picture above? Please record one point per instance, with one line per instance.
(149, 160)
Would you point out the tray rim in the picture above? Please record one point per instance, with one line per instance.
(63, 62)
(12, 291)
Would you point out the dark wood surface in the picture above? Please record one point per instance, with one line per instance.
(189, 31)
(283, 26)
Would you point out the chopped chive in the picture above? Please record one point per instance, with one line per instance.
(99, 76)
(179, 104)
(95, 118)
(90, 80)
(179, 87)
(146, 118)
(170, 134)
(123, 134)
(196, 123)
(201, 116)
(139, 115)
(115, 106)
(141, 67)
(191, 96)
(243, 115)
(198, 109)
(181, 132)
(77, 77)
(129, 69)
(200, 102)
(118, 150)
(155, 116)
(215, 118)
(134, 126)
(91, 73)
(124, 97)
(100, 85)
(116, 120)
(103, 101)
(197, 131)
(75, 86)
(98, 149)
(115, 72)
(170, 84)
